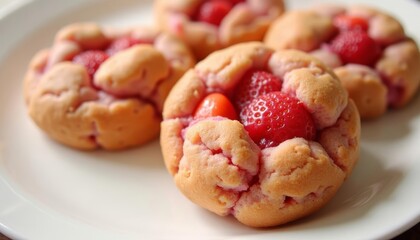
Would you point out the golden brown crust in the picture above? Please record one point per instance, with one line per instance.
(223, 71)
(342, 140)
(398, 75)
(135, 71)
(306, 31)
(399, 66)
(216, 164)
(86, 35)
(213, 180)
(51, 101)
(365, 87)
(120, 107)
(184, 96)
(297, 178)
(312, 83)
(171, 142)
(71, 112)
(247, 21)
(31, 78)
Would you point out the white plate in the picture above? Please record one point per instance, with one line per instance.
(48, 191)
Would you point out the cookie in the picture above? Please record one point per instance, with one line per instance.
(376, 61)
(104, 88)
(266, 136)
(209, 25)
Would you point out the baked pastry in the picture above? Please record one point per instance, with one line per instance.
(266, 136)
(104, 88)
(368, 49)
(209, 25)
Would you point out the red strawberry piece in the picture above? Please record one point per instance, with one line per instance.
(121, 44)
(91, 60)
(215, 104)
(395, 92)
(254, 84)
(214, 11)
(356, 47)
(234, 2)
(347, 22)
(276, 117)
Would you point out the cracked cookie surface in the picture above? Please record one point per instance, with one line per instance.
(368, 50)
(102, 87)
(242, 21)
(219, 166)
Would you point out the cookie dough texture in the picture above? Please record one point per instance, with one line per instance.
(391, 82)
(121, 106)
(216, 164)
(247, 21)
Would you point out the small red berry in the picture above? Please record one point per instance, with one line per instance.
(214, 11)
(91, 60)
(121, 44)
(254, 84)
(356, 47)
(215, 104)
(347, 22)
(276, 117)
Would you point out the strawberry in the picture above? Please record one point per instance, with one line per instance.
(254, 84)
(215, 104)
(234, 2)
(276, 117)
(91, 60)
(121, 44)
(356, 47)
(349, 23)
(214, 11)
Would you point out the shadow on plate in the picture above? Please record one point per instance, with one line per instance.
(368, 186)
(147, 156)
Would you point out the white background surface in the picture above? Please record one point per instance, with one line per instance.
(48, 191)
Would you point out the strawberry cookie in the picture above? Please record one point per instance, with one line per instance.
(209, 25)
(368, 49)
(265, 136)
(104, 88)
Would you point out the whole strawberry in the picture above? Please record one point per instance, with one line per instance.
(254, 84)
(356, 47)
(91, 60)
(276, 117)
